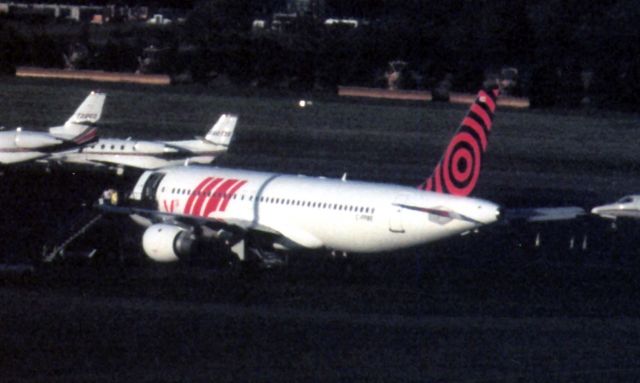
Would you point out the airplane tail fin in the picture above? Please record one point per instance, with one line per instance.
(458, 171)
(77, 127)
(222, 132)
(89, 111)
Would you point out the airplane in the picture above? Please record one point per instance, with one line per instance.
(26, 145)
(260, 215)
(626, 207)
(120, 153)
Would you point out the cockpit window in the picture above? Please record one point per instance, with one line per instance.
(626, 199)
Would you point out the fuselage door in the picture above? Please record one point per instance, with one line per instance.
(150, 188)
(395, 219)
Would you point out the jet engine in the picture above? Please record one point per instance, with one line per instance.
(145, 147)
(167, 243)
(33, 140)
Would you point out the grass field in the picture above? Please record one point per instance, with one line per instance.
(476, 308)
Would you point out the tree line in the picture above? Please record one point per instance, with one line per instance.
(567, 52)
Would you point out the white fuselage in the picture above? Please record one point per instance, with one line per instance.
(313, 212)
(20, 146)
(626, 207)
(141, 154)
(25, 145)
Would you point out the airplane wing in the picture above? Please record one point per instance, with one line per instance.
(289, 236)
(542, 214)
(234, 225)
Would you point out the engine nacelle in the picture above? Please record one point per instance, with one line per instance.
(145, 147)
(34, 140)
(167, 243)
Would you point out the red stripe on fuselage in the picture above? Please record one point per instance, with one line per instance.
(196, 191)
(215, 199)
(86, 136)
(204, 195)
(230, 194)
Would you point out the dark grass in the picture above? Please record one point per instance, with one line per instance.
(485, 307)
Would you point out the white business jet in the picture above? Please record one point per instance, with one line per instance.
(626, 207)
(120, 153)
(25, 145)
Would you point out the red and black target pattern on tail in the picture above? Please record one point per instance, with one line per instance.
(458, 171)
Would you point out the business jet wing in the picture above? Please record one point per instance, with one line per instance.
(542, 214)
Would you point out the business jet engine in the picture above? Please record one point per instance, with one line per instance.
(34, 140)
(167, 243)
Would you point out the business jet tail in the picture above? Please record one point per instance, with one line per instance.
(458, 171)
(89, 111)
(77, 127)
(222, 132)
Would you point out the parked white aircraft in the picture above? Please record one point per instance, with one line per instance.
(119, 153)
(626, 207)
(258, 213)
(25, 145)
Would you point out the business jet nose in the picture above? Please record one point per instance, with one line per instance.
(608, 210)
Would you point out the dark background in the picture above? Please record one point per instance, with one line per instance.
(483, 307)
(568, 53)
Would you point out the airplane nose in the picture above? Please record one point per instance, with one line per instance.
(490, 212)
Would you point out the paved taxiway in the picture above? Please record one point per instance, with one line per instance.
(484, 307)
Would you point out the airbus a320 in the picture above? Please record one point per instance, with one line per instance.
(260, 215)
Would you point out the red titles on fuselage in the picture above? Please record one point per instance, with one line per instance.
(211, 195)
(169, 207)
